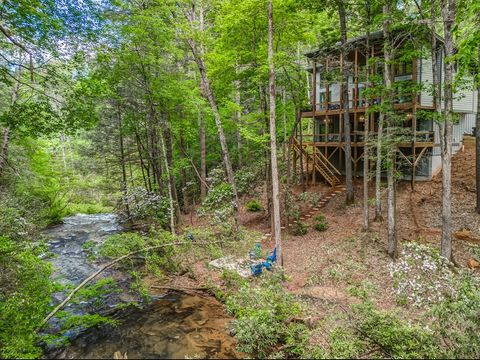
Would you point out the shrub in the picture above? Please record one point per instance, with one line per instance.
(248, 177)
(299, 228)
(456, 319)
(146, 205)
(312, 198)
(262, 312)
(253, 205)
(25, 297)
(320, 223)
(219, 201)
(421, 276)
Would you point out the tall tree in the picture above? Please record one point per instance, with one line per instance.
(448, 17)
(198, 56)
(391, 152)
(366, 139)
(277, 232)
(346, 102)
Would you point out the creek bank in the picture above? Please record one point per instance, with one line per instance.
(173, 325)
(177, 325)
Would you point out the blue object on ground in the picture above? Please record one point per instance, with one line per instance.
(267, 265)
(190, 236)
(273, 256)
(256, 269)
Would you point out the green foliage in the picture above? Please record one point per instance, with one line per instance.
(248, 178)
(261, 318)
(121, 244)
(320, 223)
(312, 198)
(220, 205)
(299, 228)
(446, 330)
(253, 205)
(97, 293)
(25, 297)
(395, 338)
(86, 208)
(220, 197)
(155, 261)
(456, 319)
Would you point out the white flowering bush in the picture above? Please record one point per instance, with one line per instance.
(219, 204)
(216, 176)
(144, 204)
(421, 276)
(249, 177)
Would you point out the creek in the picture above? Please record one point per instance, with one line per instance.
(172, 325)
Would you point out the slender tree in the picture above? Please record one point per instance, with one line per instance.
(273, 139)
(198, 56)
(391, 152)
(448, 17)
(346, 102)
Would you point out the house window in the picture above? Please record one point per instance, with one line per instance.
(402, 69)
(323, 99)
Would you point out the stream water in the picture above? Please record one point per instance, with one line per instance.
(174, 325)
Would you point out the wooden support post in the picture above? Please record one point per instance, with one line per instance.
(414, 123)
(314, 108)
(355, 148)
(302, 175)
(355, 97)
(327, 88)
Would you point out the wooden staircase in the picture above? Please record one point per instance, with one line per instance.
(318, 162)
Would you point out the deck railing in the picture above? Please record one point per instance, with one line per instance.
(358, 136)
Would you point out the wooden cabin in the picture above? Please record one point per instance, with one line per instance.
(319, 138)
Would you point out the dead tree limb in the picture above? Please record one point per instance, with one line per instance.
(105, 267)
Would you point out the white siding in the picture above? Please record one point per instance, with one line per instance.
(426, 78)
(463, 102)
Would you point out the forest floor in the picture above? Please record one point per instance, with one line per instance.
(323, 269)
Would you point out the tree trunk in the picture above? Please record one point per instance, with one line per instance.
(378, 171)
(6, 130)
(203, 155)
(208, 93)
(448, 15)
(477, 146)
(346, 105)
(268, 158)
(477, 143)
(170, 196)
(273, 139)
(4, 149)
(366, 147)
(391, 153)
(122, 163)
(238, 116)
(284, 143)
(167, 138)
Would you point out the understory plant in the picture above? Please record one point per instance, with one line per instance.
(421, 276)
(320, 223)
(299, 228)
(262, 318)
(253, 205)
